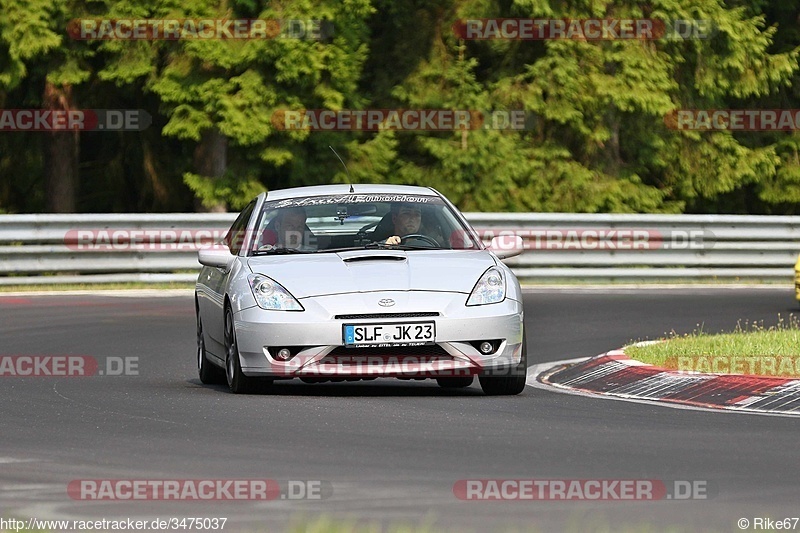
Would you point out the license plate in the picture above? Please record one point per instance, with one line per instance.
(376, 335)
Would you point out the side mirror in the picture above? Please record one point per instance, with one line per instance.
(505, 246)
(218, 256)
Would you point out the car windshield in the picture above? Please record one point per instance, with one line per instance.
(321, 224)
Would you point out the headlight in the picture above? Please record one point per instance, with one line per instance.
(270, 294)
(490, 289)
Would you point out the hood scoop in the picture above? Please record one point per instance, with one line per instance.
(382, 257)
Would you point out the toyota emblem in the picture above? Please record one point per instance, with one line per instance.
(386, 302)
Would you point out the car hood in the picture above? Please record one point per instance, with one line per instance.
(324, 274)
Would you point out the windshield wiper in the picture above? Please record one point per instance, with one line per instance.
(412, 247)
(380, 246)
(334, 250)
(282, 251)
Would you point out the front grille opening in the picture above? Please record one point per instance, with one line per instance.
(370, 316)
(433, 351)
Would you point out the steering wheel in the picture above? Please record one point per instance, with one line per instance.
(421, 237)
(361, 236)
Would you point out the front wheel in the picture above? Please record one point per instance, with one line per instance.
(238, 383)
(511, 384)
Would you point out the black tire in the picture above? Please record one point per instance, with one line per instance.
(510, 384)
(209, 373)
(455, 382)
(238, 383)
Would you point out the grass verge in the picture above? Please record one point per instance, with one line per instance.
(751, 349)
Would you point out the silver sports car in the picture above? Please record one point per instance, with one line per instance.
(341, 282)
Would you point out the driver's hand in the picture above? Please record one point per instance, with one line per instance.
(394, 239)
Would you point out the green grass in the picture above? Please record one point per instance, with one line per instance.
(751, 348)
(329, 525)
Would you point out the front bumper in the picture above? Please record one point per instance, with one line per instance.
(316, 336)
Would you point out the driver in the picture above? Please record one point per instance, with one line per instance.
(407, 220)
(287, 230)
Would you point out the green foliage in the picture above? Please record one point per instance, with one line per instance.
(597, 140)
(233, 190)
(784, 185)
(26, 33)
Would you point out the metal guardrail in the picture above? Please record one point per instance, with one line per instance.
(48, 249)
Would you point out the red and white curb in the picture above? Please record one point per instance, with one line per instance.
(614, 374)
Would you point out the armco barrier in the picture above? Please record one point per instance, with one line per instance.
(558, 246)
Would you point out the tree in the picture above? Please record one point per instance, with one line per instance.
(599, 137)
(221, 94)
(599, 141)
(35, 50)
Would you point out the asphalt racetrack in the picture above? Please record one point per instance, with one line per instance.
(386, 451)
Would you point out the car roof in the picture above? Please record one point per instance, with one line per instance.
(358, 188)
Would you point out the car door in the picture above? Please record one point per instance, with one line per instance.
(215, 282)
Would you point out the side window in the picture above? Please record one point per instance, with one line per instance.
(234, 239)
